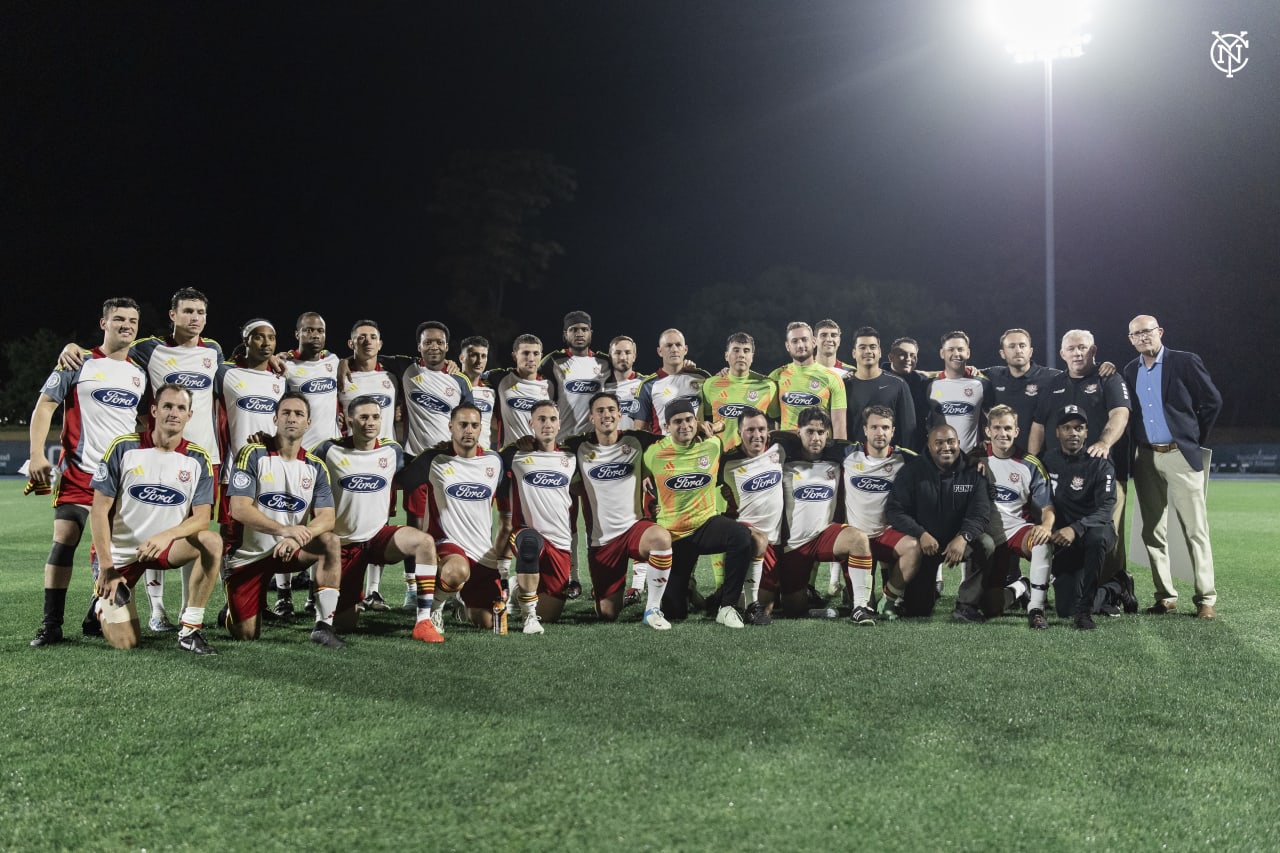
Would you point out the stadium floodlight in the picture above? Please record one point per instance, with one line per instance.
(1042, 31)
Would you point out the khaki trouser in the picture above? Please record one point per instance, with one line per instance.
(1157, 479)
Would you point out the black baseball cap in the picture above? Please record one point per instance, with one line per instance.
(1073, 413)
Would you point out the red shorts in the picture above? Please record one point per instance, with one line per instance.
(769, 577)
(882, 546)
(246, 586)
(73, 488)
(1015, 541)
(553, 571)
(794, 566)
(608, 562)
(415, 502)
(358, 556)
(134, 570)
(483, 588)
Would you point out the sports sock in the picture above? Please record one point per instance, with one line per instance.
(892, 593)
(55, 605)
(284, 586)
(660, 572)
(751, 586)
(424, 581)
(858, 569)
(372, 580)
(639, 571)
(155, 590)
(192, 620)
(528, 603)
(326, 602)
(504, 568)
(1040, 566)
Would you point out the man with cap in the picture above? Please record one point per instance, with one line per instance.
(1084, 496)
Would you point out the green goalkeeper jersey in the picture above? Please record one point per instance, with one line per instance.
(684, 479)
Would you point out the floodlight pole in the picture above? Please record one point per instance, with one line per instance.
(1051, 339)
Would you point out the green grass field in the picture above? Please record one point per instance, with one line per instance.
(1151, 733)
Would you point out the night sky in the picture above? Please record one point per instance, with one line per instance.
(281, 156)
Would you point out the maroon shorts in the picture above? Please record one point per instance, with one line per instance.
(882, 546)
(415, 502)
(769, 577)
(483, 588)
(553, 571)
(134, 570)
(246, 587)
(608, 562)
(358, 556)
(794, 566)
(73, 488)
(1015, 541)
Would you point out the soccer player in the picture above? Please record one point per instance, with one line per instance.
(474, 353)
(152, 503)
(624, 382)
(725, 398)
(575, 373)
(459, 481)
(361, 468)
(518, 389)
(870, 385)
(828, 334)
(811, 475)
(804, 383)
(1019, 382)
(958, 393)
(1022, 523)
(99, 401)
(1084, 496)
(673, 381)
(534, 497)
(682, 470)
(610, 474)
(869, 469)
(311, 370)
(248, 388)
(282, 499)
(751, 481)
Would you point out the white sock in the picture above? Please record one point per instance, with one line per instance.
(372, 580)
(284, 585)
(155, 590)
(1041, 562)
(504, 568)
(658, 578)
(326, 602)
(192, 620)
(424, 591)
(751, 586)
(639, 570)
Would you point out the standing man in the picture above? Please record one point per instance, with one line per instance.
(828, 355)
(624, 382)
(518, 389)
(904, 355)
(474, 352)
(152, 503)
(804, 383)
(575, 373)
(672, 382)
(1019, 382)
(725, 398)
(312, 371)
(958, 393)
(869, 385)
(1178, 406)
(1084, 496)
(99, 401)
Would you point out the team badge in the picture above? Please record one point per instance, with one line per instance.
(968, 392)
(1077, 483)
(888, 469)
(1014, 476)
(328, 368)
(1032, 389)
(773, 457)
(241, 480)
(386, 383)
(814, 384)
(752, 396)
(382, 463)
(137, 382)
(275, 388)
(704, 462)
(830, 474)
(1091, 388)
(184, 476)
(449, 391)
(564, 461)
(488, 472)
(306, 482)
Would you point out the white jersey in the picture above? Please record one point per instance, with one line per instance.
(285, 490)
(485, 399)
(154, 490)
(194, 368)
(381, 386)
(100, 403)
(1021, 485)
(962, 402)
(575, 378)
(810, 489)
(430, 396)
(516, 398)
(249, 397)
(627, 390)
(460, 497)
(755, 484)
(611, 475)
(318, 382)
(535, 491)
(867, 483)
(662, 389)
(361, 483)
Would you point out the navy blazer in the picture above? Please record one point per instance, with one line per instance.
(1191, 402)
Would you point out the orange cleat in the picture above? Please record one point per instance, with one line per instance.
(426, 632)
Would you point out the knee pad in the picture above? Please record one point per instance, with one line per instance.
(528, 545)
(62, 555)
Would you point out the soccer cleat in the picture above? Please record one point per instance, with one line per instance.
(47, 635)
(728, 617)
(573, 590)
(968, 613)
(323, 635)
(532, 624)
(283, 608)
(757, 615)
(425, 630)
(196, 644)
(1109, 610)
(91, 626)
(437, 620)
(630, 597)
(310, 607)
(375, 601)
(1083, 622)
(863, 616)
(1036, 620)
(654, 619)
(160, 624)
(889, 609)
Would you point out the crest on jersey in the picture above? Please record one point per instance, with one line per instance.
(386, 383)
(1014, 476)
(329, 368)
(1032, 389)
(968, 392)
(773, 457)
(241, 480)
(275, 388)
(306, 482)
(184, 476)
(207, 362)
(704, 462)
(488, 472)
(52, 382)
(814, 384)
(1077, 483)
(1091, 388)
(382, 463)
(449, 391)
(831, 474)
(564, 461)
(137, 382)
(752, 396)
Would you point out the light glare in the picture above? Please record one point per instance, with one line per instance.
(1039, 30)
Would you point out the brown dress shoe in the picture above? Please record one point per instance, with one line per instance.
(1164, 605)
(1205, 611)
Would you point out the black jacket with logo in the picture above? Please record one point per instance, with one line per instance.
(943, 503)
(1084, 489)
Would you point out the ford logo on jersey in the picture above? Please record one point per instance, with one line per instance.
(469, 491)
(731, 410)
(521, 404)
(430, 402)
(363, 483)
(814, 493)
(115, 397)
(157, 495)
(800, 399)
(955, 407)
(688, 482)
(257, 405)
(610, 471)
(1006, 495)
(280, 502)
(384, 402)
(483, 405)
(546, 479)
(761, 482)
(631, 407)
(582, 386)
(319, 385)
(869, 484)
(194, 381)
